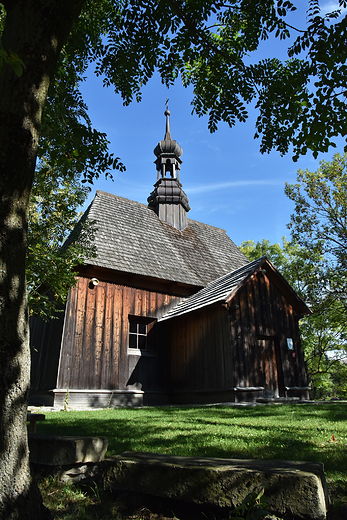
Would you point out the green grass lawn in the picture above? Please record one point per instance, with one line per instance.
(308, 432)
(288, 432)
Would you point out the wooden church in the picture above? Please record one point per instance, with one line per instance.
(169, 311)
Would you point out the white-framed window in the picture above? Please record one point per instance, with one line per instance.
(137, 333)
(141, 336)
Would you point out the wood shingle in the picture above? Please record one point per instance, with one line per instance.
(131, 238)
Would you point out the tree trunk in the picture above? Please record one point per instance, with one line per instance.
(36, 30)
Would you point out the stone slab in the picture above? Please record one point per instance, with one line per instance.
(55, 450)
(295, 489)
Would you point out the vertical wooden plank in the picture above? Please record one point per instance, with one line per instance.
(180, 353)
(186, 346)
(240, 354)
(145, 304)
(253, 327)
(45, 343)
(206, 346)
(85, 338)
(247, 316)
(251, 310)
(97, 346)
(247, 358)
(152, 304)
(232, 330)
(159, 300)
(117, 336)
(68, 340)
(78, 359)
(264, 303)
(261, 304)
(214, 340)
(228, 365)
(269, 363)
(106, 363)
(196, 355)
(256, 316)
(279, 331)
(128, 308)
(138, 294)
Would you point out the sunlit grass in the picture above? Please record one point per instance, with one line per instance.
(288, 432)
(315, 433)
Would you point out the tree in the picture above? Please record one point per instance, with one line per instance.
(36, 31)
(44, 43)
(325, 347)
(301, 267)
(319, 221)
(50, 266)
(301, 102)
(319, 225)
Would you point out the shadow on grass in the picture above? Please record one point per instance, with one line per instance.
(291, 432)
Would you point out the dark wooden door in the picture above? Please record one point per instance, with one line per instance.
(268, 367)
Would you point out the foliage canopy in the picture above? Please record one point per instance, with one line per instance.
(300, 102)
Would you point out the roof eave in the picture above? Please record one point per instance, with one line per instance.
(275, 277)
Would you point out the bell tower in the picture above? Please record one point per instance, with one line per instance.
(168, 200)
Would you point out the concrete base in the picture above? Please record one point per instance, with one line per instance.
(79, 399)
(295, 489)
(76, 399)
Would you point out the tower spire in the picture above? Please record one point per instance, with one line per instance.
(167, 113)
(168, 199)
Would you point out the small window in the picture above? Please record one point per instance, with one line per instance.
(137, 334)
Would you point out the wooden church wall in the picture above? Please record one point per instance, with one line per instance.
(199, 355)
(95, 338)
(261, 315)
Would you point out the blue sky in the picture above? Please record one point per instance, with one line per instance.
(230, 184)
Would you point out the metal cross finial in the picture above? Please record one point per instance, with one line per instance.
(167, 114)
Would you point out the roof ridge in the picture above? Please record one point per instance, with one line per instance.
(115, 196)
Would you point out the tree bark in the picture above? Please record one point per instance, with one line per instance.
(36, 30)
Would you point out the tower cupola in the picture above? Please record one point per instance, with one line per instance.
(168, 199)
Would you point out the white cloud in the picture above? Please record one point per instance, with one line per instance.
(233, 184)
(331, 5)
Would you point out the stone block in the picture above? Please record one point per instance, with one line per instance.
(295, 489)
(55, 450)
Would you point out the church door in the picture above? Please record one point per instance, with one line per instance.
(268, 367)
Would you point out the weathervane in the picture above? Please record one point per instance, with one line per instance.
(167, 104)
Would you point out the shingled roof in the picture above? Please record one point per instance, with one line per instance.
(131, 238)
(224, 288)
(219, 290)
